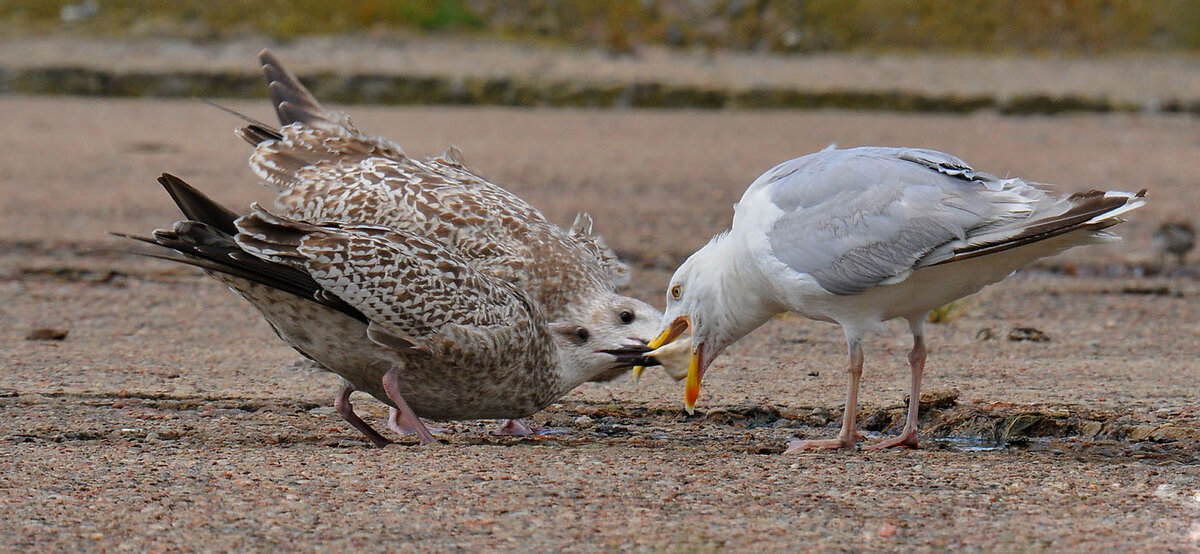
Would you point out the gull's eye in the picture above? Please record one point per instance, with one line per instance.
(582, 334)
(626, 317)
(677, 292)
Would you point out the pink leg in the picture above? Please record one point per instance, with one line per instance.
(849, 431)
(407, 418)
(513, 428)
(908, 437)
(342, 404)
(393, 423)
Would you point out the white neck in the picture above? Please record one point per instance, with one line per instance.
(740, 297)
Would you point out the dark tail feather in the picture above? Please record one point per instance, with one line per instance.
(198, 207)
(206, 241)
(293, 103)
(253, 133)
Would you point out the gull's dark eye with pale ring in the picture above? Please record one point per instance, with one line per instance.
(582, 334)
(626, 317)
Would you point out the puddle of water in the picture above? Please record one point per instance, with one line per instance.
(969, 444)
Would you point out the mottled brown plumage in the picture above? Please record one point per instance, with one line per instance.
(416, 281)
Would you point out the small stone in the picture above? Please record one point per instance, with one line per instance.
(46, 333)
(1091, 429)
(1028, 334)
(1171, 433)
(1140, 432)
(887, 530)
(584, 421)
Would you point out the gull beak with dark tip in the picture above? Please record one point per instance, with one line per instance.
(632, 355)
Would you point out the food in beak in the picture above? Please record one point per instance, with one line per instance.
(671, 354)
(674, 357)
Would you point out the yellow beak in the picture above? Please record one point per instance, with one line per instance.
(658, 341)
(692, 390)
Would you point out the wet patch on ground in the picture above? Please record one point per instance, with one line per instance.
(1164, 436)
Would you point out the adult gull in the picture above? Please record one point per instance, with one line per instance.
(863, 235)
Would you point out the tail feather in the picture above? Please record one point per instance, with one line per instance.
(256, 134)
(206, 240)
(293, 102)
(1093, 211)
(198, 207)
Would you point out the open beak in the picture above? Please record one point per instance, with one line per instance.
(695, 373)
(676, 328)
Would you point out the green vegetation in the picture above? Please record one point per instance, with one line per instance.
(202, 19)
(978, 26)
(947, 312)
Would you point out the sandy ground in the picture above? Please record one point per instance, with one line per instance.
(169, 417)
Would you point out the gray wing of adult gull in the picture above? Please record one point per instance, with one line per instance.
(859, 218)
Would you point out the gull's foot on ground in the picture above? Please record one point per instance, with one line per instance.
(907, 440)
(513, 428)
(400, 428)
(824, 444)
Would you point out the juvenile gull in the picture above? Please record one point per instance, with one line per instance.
(863, 235)
(416, 281)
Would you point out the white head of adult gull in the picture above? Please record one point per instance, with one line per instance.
(863, 235)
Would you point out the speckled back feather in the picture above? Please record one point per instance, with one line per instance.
(324, 169)
(408, 286)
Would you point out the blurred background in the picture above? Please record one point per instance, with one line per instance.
(734, 87)
(1015, 56)
(624, 26)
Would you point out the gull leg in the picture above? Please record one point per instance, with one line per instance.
(407, 418)
(342, 404)
(393, 423)
(916, 361)
(513, 428)
(849, 431)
